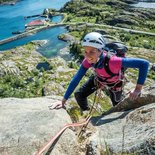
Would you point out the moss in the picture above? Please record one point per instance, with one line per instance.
(73, 65)
(30, 46)
(151, 74)
(74, 113)
(102, 102)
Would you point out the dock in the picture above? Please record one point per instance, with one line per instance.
(7, 40)
(65, 24)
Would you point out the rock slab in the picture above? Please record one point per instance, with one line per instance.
(28, 124)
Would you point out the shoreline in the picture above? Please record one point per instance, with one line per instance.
(13, 2)
(63, 23)
(4, 41)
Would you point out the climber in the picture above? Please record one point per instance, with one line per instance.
(95, 55)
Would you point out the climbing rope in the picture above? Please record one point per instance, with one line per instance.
(90, 112)
(84, 124)
(45, 147)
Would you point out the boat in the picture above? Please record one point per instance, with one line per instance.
(17, 32)
(26, 17)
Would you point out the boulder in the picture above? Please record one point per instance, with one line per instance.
(28, 124)
(53, 88)
(67, 37)
(130, 131)
(65, 53)
(40, 42)
(125, 132)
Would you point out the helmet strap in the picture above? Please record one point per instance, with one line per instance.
(100, 55)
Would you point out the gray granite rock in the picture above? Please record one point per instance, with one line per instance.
(130, 131)
(28, 124)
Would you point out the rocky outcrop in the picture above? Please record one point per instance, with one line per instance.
(146, 0)
(67, 37)
(40, 42)
(8, 2)
(147, 97)
(38, 76)
(53, 88)
(123, 19)
(9, 67)
(126, 132)
(16, 60)
(28, 124)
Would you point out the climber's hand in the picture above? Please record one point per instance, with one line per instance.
(57, 105)
(135, 94)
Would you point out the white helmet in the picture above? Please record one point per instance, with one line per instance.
(94, 39)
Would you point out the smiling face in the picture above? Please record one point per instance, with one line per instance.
(91, 54)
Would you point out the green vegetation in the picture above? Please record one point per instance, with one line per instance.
(151, 74)
(139, 45)
(115, 13)
(18, 86)
(75, 113)
(30, 74)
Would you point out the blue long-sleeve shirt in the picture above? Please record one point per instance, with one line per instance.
(141, 64)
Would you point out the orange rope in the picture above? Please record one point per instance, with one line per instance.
(59, 133)
(84, 124)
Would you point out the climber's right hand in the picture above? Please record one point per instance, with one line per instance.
(58, 105)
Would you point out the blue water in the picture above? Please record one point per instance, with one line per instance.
(48, 50)
(12, 19)
(56, 19)
(145, 5)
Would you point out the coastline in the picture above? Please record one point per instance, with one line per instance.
(13, 2)
(4, 41)
(68, 21)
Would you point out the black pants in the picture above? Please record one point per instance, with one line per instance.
(88, 88)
